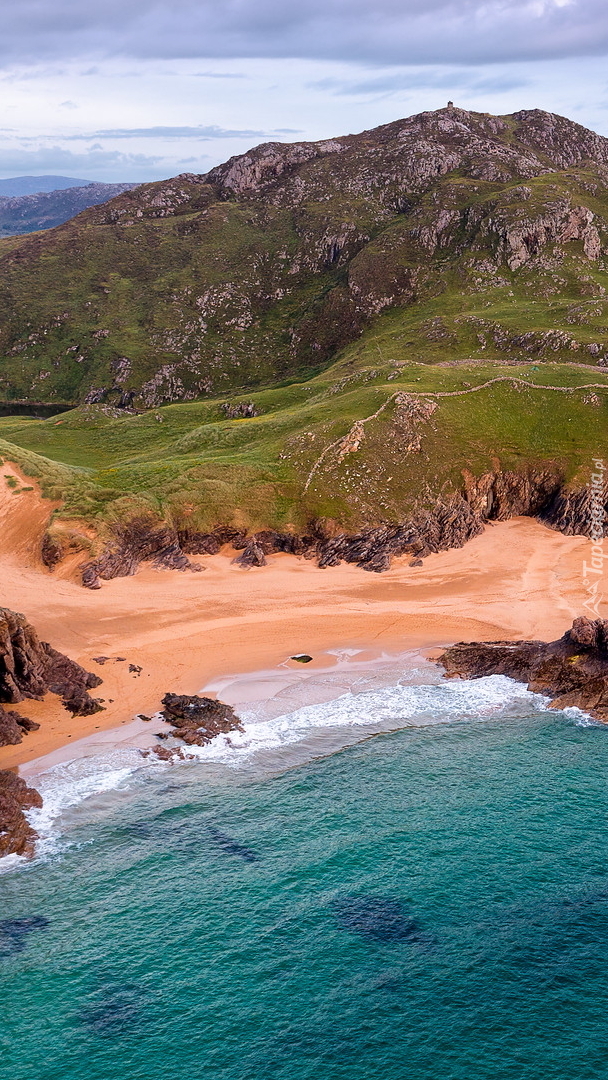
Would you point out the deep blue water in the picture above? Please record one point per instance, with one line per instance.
(429, 904)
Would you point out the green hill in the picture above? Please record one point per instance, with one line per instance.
(296, 340)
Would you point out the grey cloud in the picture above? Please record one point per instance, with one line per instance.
(426, 79)
(203, 133)
(370, 31)
(94, 163)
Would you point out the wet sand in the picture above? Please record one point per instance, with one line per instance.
(185, 630)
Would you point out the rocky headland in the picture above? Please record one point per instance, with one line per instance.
(16, 834)
(572, 671)
(30, 668)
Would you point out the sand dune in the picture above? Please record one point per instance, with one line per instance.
(518, 579)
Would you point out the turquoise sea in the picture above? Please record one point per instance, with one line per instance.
(408, 881)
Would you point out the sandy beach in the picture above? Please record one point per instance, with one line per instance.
(519, 579)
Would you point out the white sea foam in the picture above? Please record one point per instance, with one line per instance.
(86, 788)
(384, 709)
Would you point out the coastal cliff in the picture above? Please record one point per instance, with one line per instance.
(16, 834)
(30, 668)
(572, 671)
(449, 523)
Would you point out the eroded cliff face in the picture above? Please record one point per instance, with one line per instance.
(447, 523)
(573, 671)
(30, 668)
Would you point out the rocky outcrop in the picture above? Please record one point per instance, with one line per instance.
(197, 720)
(572, 671)
(16, 834)
(495, 496)
(13, 727)
(134, 541)
(29, 668)
(491, 497)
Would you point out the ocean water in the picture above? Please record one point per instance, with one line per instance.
(406, 881)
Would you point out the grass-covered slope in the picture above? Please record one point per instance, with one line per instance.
(360, 444)
(460, 234)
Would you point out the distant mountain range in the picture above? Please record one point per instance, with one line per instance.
(47, 208)
(31, 185)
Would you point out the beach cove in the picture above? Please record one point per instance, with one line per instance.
(184, 630)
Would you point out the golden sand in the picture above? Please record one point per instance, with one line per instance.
(519, 579)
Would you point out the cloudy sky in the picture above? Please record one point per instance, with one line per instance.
(144, 89)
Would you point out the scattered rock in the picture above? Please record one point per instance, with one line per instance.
(13, 726)
(301, 658)
(416, 562)
(135, 669)
(197, 720)
(253, 555)
(16, 834)
(573, 671)
(142, 716)
(239, 409)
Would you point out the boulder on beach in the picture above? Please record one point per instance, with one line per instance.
(197, 720)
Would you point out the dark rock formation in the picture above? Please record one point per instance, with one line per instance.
(573, 671)
(13, 726)
(51, 551)
(30, 667)
(448, 524)
(376, 918)
(134, 541)
(252, 555)
(16, 835)
(197, 720)
(15, 932)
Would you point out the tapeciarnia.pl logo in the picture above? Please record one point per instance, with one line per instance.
(593, 571)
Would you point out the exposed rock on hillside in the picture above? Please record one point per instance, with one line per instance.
(16, 835)
(447, 524)
(197, 720)
(136, 540)
(573, 671)
(272, 262)
(29, 668)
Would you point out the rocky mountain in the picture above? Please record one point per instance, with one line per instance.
(45, 210)
(33, 185)
(485, 235)
(356, 349)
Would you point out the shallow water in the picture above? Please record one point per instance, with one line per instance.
(429, 902)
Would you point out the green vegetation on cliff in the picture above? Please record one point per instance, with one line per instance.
(300, 332)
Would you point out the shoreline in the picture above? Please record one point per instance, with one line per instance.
(518, 579)
(243, 690)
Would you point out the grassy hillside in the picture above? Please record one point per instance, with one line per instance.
(457, 234)
(304, 456)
